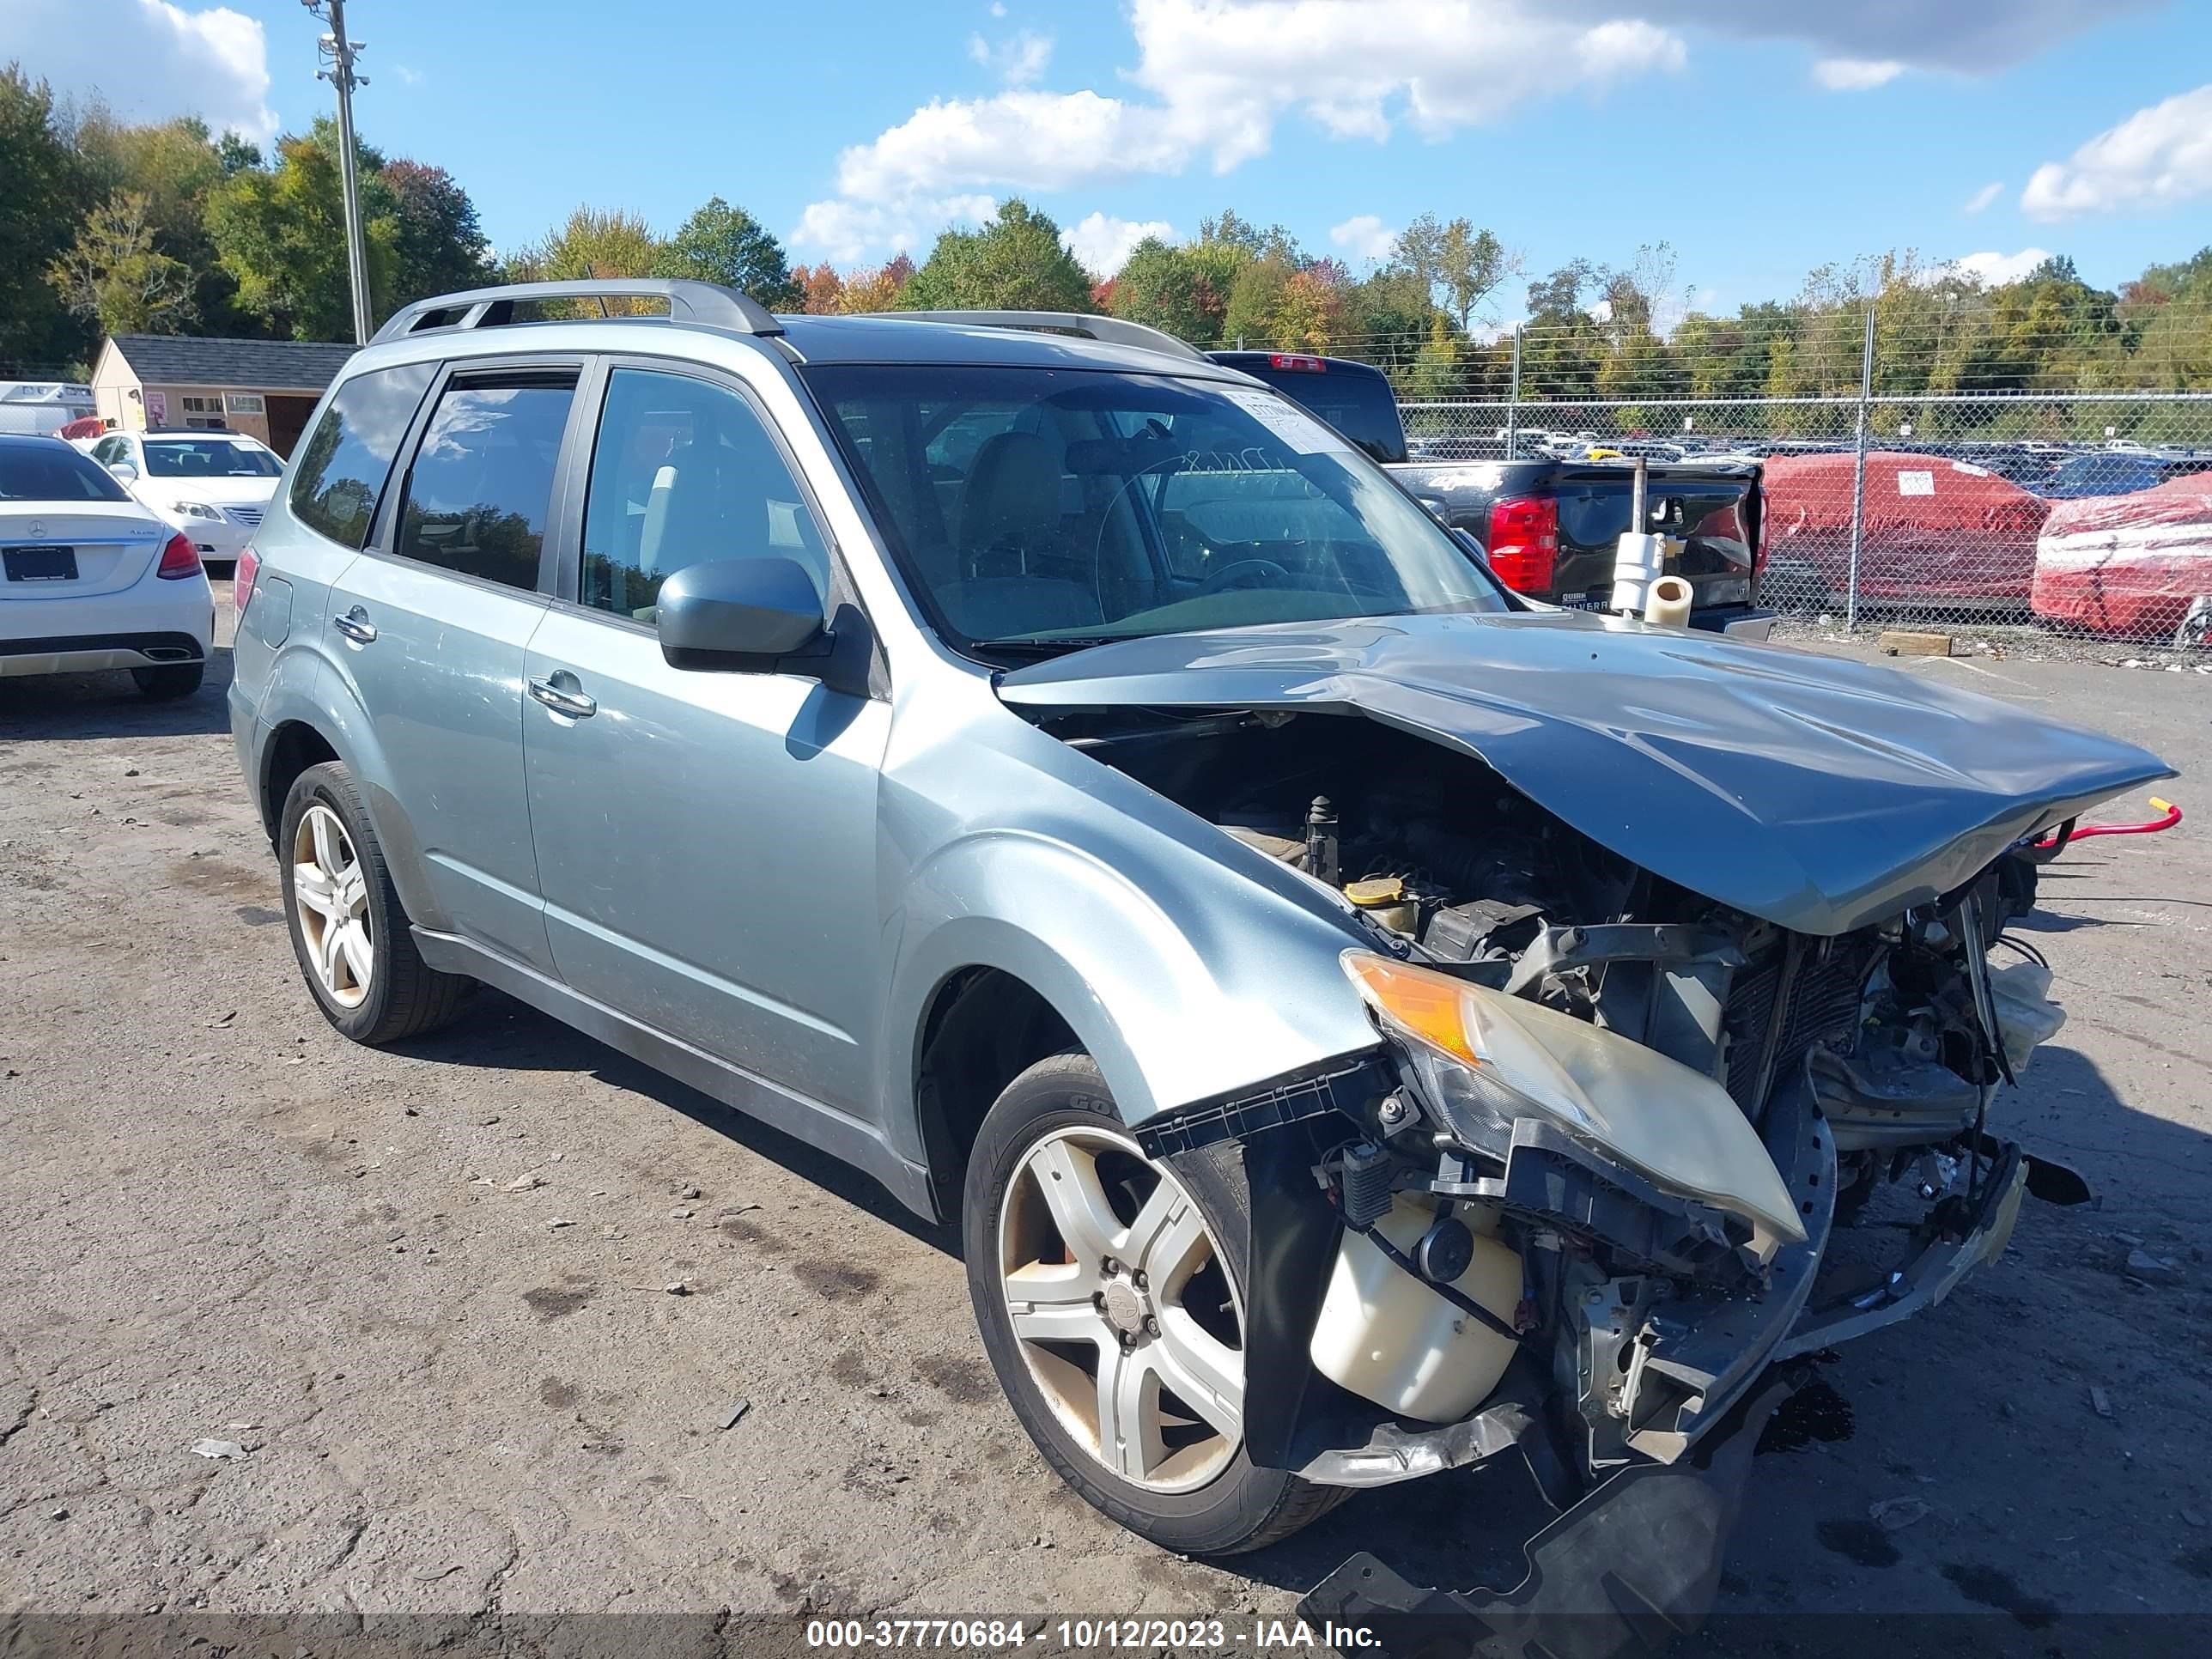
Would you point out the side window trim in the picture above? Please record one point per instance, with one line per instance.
(379, 544)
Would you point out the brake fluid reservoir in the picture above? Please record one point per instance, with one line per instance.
(1389, 1337)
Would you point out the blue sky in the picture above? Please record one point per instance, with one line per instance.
(1761, 138)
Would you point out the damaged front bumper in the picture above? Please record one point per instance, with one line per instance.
(1671, 1393)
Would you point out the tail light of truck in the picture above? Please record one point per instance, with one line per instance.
(179, 559)
(1524, 542)
(1303, 364)
(1758, 542)
(242, 578)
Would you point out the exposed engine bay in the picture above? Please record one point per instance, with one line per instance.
(1623, 1116)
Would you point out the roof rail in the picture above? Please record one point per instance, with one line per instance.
(689, 301)
(1110, 331)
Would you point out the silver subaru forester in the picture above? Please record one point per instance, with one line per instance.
(1362, 1023)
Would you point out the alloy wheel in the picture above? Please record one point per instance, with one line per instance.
(1123, 1309)
(333, 893)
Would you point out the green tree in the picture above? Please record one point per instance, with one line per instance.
(438, 243)
(1168, 287)
(723, 244)
(112, 278)
(1256, 301)
(595, 242)
(1014, 262)
(280, 232)
(1463, 266)
(42, 193)
(174, 166)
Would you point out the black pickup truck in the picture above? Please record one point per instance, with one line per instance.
(1551, 528)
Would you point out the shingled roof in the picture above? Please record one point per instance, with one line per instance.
(259, 365)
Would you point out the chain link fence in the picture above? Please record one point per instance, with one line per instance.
(2051, 500)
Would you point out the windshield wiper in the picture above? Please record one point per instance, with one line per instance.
(1049, 644)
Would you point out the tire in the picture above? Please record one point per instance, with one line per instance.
(1230, 1505)
(170, 681)
(400, 995)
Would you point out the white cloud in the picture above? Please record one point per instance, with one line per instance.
(1990, 268)
(149, 59)
(1364, 236)
(2155, 158)
(998, 7)
(1018, 59)
(1214, 76)
(1102, 243)
(1856, 73)
(845, 232)
(1966, 37)
(1985, 195)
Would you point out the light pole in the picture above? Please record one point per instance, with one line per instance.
(340, 50)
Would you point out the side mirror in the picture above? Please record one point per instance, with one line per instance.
(740, 614)
(123, 469)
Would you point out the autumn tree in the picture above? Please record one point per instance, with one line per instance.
(1014, 262)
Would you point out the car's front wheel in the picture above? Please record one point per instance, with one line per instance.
(1110, 1294)
(348, 928)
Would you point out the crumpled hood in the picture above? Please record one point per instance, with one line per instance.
(1819, 793)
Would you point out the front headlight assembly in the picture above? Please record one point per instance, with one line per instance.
(198, 510)
(1484, 1059)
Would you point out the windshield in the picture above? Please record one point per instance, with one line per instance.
(1037, 509)
(209, 457)
(53, 472)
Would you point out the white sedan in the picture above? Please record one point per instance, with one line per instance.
(214, 486)
(92, 579)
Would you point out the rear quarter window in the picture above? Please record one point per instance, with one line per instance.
(347, 460)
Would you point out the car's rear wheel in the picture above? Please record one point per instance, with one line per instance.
(170, 681)
(1109, 1290)
(347, 929)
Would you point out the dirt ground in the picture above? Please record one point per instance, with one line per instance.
(424, 1291)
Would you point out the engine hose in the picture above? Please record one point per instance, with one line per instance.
(2170, 816)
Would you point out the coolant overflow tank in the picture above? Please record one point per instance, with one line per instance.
(1389, 1337)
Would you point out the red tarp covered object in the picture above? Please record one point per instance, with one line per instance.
(2127, 564)
(1935, 529)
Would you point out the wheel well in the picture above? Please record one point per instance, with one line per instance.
(984, 1028)
(293, 748)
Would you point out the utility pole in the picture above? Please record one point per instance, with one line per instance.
(340, 50)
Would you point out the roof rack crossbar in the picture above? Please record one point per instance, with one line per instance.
(1110, 331)
(689, 301)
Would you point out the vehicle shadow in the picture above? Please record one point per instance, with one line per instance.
(496, 1030)
(56, 708)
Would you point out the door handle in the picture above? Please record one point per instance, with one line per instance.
(356, 626)
(575, 704)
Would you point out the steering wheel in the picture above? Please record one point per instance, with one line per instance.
(1229, 576)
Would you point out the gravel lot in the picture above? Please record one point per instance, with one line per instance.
(424, 1291)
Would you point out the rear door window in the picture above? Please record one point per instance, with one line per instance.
(346, 460)
(481, 487)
